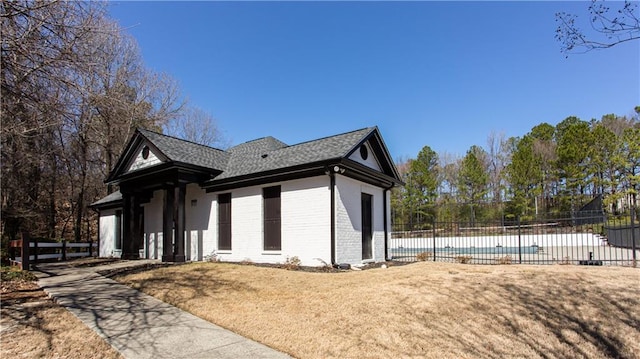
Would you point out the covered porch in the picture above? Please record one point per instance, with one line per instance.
(138, 190)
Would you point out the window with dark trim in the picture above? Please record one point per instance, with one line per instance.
(145, 152)
(364, 153)
(117, 238)
(142, 234)
(224, 221)
(272, 218)
(367, 226)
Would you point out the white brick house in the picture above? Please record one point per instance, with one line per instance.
(325, 201)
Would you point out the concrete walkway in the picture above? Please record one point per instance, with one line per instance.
(138, 325)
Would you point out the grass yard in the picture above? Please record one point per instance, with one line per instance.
(33, 326)
(425, 309)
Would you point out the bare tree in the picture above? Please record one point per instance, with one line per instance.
(610, 27)
(118, 94)
(73, 89)
(38, 55)
(498, 158)
(198, 126)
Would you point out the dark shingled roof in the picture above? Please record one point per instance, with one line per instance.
(111, 198)
(266, 155)
(260, 145)
(253, 157)
(263, 157)
(178, 150)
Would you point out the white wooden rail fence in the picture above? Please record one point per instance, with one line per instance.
(64, 250)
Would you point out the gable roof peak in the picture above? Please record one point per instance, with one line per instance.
(263, 144)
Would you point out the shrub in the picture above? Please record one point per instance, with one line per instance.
(213, 257)
(292, 263)
(424, 256)
(247, 261)
(464, 259)
(504, 260)
(326, 267)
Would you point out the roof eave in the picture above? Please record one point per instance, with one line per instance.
(277, 175)
(369, 175)
(380, 151)
(166, 166)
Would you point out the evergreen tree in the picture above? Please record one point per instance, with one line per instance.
(473, 180)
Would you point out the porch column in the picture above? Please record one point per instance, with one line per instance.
(131, 226)
(179, 220)
(167, 225)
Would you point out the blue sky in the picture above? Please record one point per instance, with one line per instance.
(442, 74)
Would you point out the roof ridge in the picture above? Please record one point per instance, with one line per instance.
(180, 139)
(336, 135)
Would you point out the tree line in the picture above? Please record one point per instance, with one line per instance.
(551, 171)
(74, 88)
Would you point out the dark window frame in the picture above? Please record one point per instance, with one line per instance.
(142, 233)
(145, 152)
(366, 200)
(272, 218)
(225, 241)
(364, 152)
(117, 238)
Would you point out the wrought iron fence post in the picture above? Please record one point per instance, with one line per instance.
(434, 240)
(633, 234)
(519, 243)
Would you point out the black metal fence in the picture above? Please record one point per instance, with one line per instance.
(586, 241)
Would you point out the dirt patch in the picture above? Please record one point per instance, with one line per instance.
(33, 326)
(432, 310)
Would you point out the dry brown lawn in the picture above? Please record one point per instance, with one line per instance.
(431, 310)
(33, 326)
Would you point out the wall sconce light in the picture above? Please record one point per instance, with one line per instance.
(338, 169)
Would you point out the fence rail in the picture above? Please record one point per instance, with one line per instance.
(23, 255)
(592, 242)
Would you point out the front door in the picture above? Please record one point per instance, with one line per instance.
(367, 227)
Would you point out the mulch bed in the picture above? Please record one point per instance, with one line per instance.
(109, 273)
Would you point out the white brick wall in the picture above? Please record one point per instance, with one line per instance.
(197, 223)
(153, 226)
(305, 215)
(349, 220)
(107, 222)
(246, 225)
(306, 218)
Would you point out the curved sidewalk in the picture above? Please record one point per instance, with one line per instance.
(138, 325)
